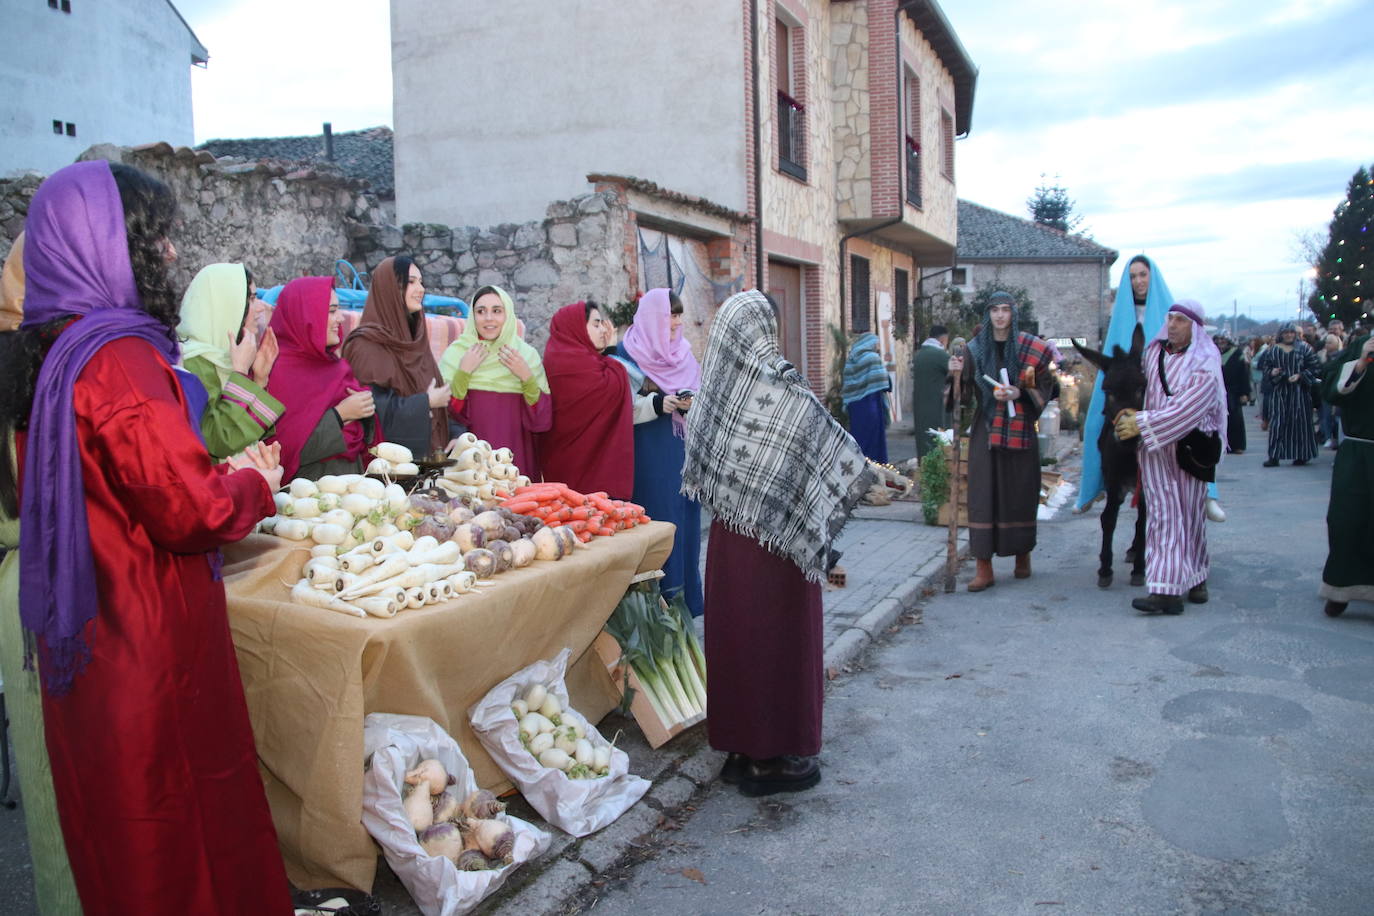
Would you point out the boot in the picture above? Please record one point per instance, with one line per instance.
(1023, 569)
(1158, 604)
(982, 577)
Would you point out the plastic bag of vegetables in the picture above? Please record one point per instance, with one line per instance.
(579, 806)
(395, 745)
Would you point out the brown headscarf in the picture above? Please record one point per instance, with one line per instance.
(12, 287)
(384, 351)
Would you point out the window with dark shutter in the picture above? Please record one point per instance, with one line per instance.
(859, 311)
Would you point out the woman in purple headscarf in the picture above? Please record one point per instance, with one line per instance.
(153, 761)
(663, 377)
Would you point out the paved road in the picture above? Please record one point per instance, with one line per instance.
(1041, 748)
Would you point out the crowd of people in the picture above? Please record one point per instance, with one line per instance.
(144, 430)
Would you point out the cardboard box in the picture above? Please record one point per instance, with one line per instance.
(656, 732)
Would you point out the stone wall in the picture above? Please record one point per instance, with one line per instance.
(849, 43)
(1066, 296)
(286, 220)
(576, 252)
(281, 220)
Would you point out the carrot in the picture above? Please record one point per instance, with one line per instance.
(552, 523)
(584, 536)
(578, 526)
(581, 514)
(602, 503)
(605, 532)
(522, 506)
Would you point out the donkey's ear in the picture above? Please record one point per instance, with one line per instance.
(1093, 356)
(1138, 340)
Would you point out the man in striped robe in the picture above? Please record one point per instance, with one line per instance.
(1183, 392)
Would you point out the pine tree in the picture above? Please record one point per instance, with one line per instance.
(1051, 206)
(1345, 274)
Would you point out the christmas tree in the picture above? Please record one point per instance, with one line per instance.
(1051, 206)
(1345, 274)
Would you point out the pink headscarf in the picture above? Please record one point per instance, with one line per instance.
(661, 353)
(1202, 355)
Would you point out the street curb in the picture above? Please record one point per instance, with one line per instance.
(573, 866)
(906, 595)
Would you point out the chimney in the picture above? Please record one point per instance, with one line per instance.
(329, 141)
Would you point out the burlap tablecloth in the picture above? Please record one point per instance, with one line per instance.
(311, 675)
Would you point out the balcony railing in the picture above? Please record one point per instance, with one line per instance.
(791, 136)
(913, 172)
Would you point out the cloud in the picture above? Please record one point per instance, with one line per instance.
(1268, 181)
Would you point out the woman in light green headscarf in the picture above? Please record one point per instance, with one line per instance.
(224, 353)
(497, 380)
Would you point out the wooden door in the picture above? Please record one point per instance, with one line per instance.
(785, 285)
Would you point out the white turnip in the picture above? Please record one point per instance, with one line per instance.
(329, 534)
(396, 454)
(332, 483)
(301, 488)
(536, 695)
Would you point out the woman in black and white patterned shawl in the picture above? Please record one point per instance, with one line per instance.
(780, 477)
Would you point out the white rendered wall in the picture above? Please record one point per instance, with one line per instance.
(501, 108)
(120, 70)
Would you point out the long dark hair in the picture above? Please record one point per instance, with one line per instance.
(149, 211)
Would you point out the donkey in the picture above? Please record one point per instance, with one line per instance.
(1123, 383)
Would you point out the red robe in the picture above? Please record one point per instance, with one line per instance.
(152, 753)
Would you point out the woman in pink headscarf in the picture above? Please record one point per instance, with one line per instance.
(663, 377)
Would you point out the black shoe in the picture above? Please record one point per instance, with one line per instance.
(1198, 593)
(1335, 608)
(1300, 462)
(1158, 604)
(788, 773)
(1272, 463)
(733, 770)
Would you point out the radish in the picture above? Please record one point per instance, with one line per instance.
(395, 499)
(535, 696)
(332, 483)
(283, 501)
(328, 501)
(357, 505)
(329, 534)
(308, 507)
(584, 752)
(341, 517)
(381, 467)
(303, 593)
(601, 759)
(352, 481)
(292, 529)
(405, 469)
(390, 451)
(301, 488)
(372, 489)
(555, 759)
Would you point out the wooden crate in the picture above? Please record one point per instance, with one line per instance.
(656, 732)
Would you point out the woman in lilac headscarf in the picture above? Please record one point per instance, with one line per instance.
(152, 754)
(663, 376)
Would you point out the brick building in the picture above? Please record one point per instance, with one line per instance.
(1068, 277)
(832, 186)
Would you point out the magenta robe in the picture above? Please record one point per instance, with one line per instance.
(152, 754)
(506, 420)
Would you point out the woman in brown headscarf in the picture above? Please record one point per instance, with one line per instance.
(389, 351)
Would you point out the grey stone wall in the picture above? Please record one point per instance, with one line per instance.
(1065, 295)
(576, 252)
(286, 219)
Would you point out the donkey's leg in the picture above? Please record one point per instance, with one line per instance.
(1109, 514)
(1138, 545)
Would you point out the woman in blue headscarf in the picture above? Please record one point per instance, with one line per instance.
(1142, 297)
(866, 384)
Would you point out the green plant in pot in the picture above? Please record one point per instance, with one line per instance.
(934, 484)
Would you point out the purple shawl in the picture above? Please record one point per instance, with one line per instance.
(76, 258)
(663, 356)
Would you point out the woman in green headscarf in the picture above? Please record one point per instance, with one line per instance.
(224, 353)
(497, 381)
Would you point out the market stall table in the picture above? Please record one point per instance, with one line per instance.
(310, 676)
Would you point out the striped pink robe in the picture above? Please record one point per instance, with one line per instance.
(1176, 525)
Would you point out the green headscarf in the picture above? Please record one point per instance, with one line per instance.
(491, 375)
(212, 313)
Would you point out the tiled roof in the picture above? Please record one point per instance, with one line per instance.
(365, 154)
(991, 235)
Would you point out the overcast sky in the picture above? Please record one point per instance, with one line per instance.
(1206, 133)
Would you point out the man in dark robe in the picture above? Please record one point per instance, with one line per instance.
(1291, 369)
(1349, 571)
(1235, 374)
(1009, 371)
(930, 370)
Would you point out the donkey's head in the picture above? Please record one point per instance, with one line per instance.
(1123, 375)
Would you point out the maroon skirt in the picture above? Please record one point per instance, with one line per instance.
(765, 677)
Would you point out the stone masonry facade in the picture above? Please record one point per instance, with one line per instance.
(286, 220)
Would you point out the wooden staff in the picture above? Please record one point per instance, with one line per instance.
(952, 550)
